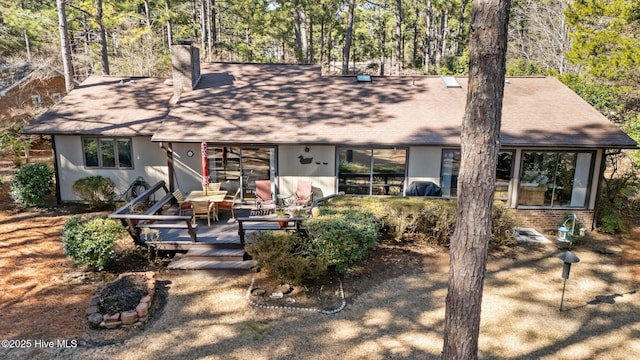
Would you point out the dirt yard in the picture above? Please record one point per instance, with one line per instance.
(395, 305)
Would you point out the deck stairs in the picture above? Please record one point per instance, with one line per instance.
(214, 256)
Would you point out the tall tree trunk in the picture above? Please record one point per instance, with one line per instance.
(414, 56)
(169, 29)
(322, 40)
(203, 26)
(27, 45)
(461, 21)
(300, 29)
(102, 36)
(65, 47)
(428, 20)
(312, 54)
(444, 32)
(348, 35)
(214, 30)
(480, 141)
(383, 42)
(211, 24)
(399, 58)
(147, 13)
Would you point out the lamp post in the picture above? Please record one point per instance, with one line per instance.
(567, 258)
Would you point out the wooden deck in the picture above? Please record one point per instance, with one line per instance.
(221, 234)
(216, 246)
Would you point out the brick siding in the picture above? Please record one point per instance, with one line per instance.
(548, 220)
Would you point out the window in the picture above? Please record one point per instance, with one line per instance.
(107, 152)
(56, 97)
(36, 102)
(449, 172)
(555, 179)
(372, 171)
(451, 169)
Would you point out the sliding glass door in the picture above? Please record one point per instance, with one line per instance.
(240, 167)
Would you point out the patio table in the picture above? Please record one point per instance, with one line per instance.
(210, 196)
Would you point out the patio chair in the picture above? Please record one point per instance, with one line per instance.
(229, 202)
(302, 197)
(264, 197)
(201, 209)
(211, 187)
(182, 203)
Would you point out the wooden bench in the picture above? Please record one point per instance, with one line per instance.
(267, 223)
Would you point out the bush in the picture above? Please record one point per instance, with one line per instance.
(430, 219)
(90, 241)
(502, 225)
(31, 184)
(336, 242)
(286, 257)
(97, 190)
(342, 240)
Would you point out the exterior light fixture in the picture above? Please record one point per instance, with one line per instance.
(567, 258)
(562, 233)
(565, 234)
(190, 153)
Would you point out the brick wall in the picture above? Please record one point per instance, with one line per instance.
(548, 220)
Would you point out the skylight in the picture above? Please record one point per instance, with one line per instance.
(363, 78)
(450, 82)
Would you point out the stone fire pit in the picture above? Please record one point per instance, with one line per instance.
(122, 302)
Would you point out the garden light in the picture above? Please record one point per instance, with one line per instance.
(567, 258)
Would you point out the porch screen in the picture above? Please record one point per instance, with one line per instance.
(371, 171)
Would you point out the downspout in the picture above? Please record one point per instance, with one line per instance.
(56, 171)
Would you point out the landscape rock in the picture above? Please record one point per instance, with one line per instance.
(95, 319)
(129, 317)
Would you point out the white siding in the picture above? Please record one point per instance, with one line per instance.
(188, 170)
(149, 161)
(424, 164)
(321, 169)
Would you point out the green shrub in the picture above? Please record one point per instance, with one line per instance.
(97, 190)
(285, 257)
(342, 240)
(31, 184)
(336, 242)
(433, 220)
(502, 225)
(90, 241)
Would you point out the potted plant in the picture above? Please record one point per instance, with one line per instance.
(281, 213)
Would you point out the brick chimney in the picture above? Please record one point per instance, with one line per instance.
(185, 61)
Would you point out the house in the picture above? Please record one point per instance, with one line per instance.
(25, 86)
(361, 135)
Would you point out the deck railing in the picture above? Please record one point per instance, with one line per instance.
(134, 222)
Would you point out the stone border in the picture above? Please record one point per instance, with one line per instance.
(343, 304)
(125, 318)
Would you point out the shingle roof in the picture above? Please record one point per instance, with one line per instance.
(275, 104)
(105, 105)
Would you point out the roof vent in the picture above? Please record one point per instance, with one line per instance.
(450, 82)
(363, 78)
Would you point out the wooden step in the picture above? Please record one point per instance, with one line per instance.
(186, 263)
(221, 254)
